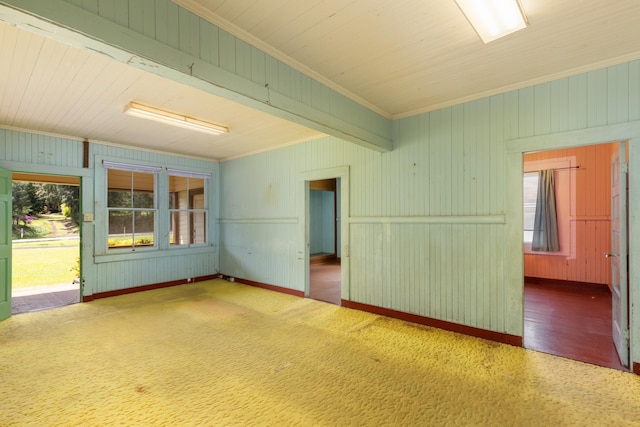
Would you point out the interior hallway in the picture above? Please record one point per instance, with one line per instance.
(324, 281)
(570, 321)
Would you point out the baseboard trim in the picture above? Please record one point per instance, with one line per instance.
(264, 286)
(115, 293)
(414, 318)
(436, 323)
(558, 283)
(636, 368)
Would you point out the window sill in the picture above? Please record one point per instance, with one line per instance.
(528, 251)
(148, 253)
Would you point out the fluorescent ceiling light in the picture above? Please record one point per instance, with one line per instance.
(493, 19)
(161, 116)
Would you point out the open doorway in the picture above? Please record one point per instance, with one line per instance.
(567, 291)
(324, 235)
(46, 242)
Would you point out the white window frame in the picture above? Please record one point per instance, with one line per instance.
(155, 170)
(206, 177)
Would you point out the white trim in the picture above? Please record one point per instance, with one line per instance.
(249, 38)
(514, 253)
(258, 220)
(519, 85)
(302, 190)
(188, 174)
(459, 219)
(129, 167)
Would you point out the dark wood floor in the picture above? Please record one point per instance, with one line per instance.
(570, 322)
(564, 321)
(324, 281)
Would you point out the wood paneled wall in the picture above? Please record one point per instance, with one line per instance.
(322, 221)
(32, 153)
(427, 220)
(592, 217)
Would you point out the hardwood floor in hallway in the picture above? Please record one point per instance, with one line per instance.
(324, 281)
(561, 320)
(570, 322)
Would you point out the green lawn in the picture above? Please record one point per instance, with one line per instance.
(45, 225)
(38, 228)
(20, 244)
(45, 262)
(44, 265)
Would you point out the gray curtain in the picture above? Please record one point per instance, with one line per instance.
(545, 226)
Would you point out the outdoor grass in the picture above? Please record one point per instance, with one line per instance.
(37, 228)
(44, 266)
(22, 244)
(45, 225)
(45, 262)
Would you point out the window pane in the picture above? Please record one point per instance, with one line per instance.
(143, 186)
(144, 223)
(132, 223)
(196, 188)
(142, 200)
(174, 201)
(186, 196)
(530, 195)
(177, 183)
(528, 236)
(119, 199)
(120, 228)
(119, 180)
(179, 228)
(199, 227)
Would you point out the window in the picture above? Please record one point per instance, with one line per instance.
(565, 182)
(530, 196)
(187, 208)
(131, 206)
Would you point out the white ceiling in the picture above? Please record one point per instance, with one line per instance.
(411, 56)
(53, 88)
(396, 57)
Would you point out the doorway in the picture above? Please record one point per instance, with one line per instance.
(303, 189)
(567, 293)
(324, 250)
(46, 242)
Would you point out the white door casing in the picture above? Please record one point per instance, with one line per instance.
(618, 254)
(5, 243)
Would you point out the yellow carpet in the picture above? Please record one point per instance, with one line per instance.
(218, 353)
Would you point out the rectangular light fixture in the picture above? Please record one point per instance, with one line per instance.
(493, 19)
(161, 116)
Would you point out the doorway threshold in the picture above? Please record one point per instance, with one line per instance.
(44, 298)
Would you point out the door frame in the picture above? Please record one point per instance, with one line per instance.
(6, 243)
(618, 253)
(81, 219)
(514, 252)
(304, 224)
